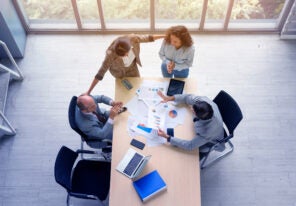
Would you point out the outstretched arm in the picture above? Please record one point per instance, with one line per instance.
(165, 98)
(93, 84)
(158, 36)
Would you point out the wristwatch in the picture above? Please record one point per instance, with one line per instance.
(170, 132)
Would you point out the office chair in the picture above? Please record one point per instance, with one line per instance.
(105, 146)
(231, 115)
(88, 180)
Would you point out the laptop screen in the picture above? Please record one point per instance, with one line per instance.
(132, 164)
(140, 168)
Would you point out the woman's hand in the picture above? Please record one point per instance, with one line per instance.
(170, 67)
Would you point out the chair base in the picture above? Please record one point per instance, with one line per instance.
(102, 202)
(206, 161)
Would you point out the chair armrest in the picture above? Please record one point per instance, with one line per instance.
(85, 151)
(85, 196)
(107, 140)
(225, 139)
(106, 149)
(98, 144)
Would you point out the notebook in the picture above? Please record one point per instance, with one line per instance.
(149, 185)
(132, 164)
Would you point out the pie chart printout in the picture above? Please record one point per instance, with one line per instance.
(173, 114)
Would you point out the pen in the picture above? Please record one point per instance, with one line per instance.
(157, 103)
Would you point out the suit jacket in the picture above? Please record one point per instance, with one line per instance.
(205, 130)
(114, 63)
(89, 123)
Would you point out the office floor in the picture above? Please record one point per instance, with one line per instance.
(257, 70)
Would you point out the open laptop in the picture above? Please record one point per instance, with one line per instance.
(132, 164)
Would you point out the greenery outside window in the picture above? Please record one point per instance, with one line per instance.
(49, 14)
(122, 15)
(169, 13)
(255, 14)
(126, 14)
(89, 14)
(216, 12)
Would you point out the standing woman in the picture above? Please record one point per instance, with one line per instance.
(176, 52)
(122, 57)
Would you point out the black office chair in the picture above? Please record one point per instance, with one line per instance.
(231, 115)
(104, 145)
(88, 180)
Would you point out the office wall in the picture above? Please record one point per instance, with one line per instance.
(11, 30)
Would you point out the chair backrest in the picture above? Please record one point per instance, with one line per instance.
(229, 109)
(71, 117)
(94, 143)
(63, 167)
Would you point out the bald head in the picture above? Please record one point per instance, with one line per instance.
(86, 103)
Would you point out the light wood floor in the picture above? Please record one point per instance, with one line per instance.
(257, 70)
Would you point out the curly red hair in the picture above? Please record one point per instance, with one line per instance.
(180, 32)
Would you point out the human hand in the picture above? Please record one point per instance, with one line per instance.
(85, 93)
(164, 98)
(116, 103)
(114, 111)
(170, 67)
(173, 65)
(161, 133)
(159, 93)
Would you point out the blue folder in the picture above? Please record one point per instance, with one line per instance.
(149, 185)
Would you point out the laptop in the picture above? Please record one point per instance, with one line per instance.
(132, 164)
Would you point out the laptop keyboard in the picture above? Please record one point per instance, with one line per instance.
(133, 164)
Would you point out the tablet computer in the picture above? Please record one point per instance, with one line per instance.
(175, 87)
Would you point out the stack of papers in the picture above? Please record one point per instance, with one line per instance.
(152, 138)
(148, 110)
(148, 92)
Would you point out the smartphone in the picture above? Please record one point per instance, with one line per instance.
(127, 84)
(137, 144)
(123, 109)
(170, 131)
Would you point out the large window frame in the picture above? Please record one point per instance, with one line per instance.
(255, 26)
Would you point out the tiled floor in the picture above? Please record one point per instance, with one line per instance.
(257, 70)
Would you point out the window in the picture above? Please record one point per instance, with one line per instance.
(216, 13)
(49, 14)
(255, 14)
(126, 14)
(169, 13)
(145, 15)
(89, 14)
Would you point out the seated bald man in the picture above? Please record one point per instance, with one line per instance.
(96, 122)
